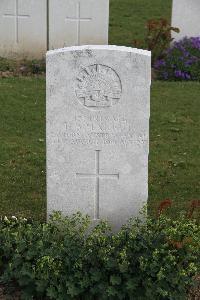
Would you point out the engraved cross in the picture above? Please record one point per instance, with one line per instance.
(78, 20)
(97, 175)
(17, 16)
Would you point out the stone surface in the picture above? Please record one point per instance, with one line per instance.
(23, 28)
(186, 16)
(29, 27)
(78, 22)
(98, 107)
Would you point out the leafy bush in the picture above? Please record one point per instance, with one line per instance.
(6, 65)
(33, 66)
(181, 62)
(158, 37)
(68, 259)
(22, 67)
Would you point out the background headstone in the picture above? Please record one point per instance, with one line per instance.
(98, 107)
(29, 27)
(78, 22)
(23, 28)
(186, 16)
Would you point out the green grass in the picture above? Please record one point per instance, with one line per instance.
(22, 150)
(174, 168)
(174, 161)
(128, 18)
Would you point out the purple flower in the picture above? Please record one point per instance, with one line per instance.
(181, 60)
(178, 73)
(186, 53)
(182, 74)
(189, 62)
(165, 75)
(159, 63)
(187, 76)
(196, 42)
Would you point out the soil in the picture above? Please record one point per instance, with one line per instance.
(3, 296)
(195, 292)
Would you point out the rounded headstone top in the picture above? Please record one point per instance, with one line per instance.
(100, 47)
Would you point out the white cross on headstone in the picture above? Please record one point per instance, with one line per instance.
(78, 20)
(97, 175)
(17, 16)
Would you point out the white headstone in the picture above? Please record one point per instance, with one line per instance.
(186, 16)
(23, 28)
(78, 22)
(98, 107)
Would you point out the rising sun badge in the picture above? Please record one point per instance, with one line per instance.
(98, 86)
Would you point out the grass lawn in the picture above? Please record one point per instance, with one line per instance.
(22, 151)
(174, 161)
(174, 169)
(128, 18)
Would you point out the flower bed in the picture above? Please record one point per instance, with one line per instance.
(181, 61)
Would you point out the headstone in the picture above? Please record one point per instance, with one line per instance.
(23, 28)
(186, 16)
(29, 27)
(98, 107)
(78, 22)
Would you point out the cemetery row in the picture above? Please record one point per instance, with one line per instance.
(29, 28)
(98, 109)
(97, 162)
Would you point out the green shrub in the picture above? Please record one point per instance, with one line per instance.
(22, 67)
(157, 38)
(68, 259)
(6, 65)
(34, 66)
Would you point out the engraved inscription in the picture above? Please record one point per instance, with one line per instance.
(98, 124)
(97, 175)
(100, 130)
(98, 87)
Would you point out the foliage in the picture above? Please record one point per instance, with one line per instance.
(181, 62)
(66, 258)
(128, 18)
(6, 64)
(158, 37)
(10, 67)
(33, 66)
